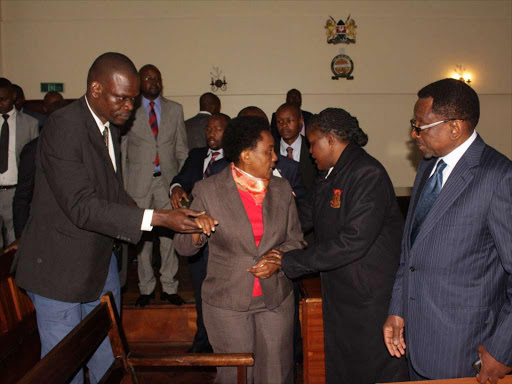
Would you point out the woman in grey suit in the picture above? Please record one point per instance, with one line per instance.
(247, 301)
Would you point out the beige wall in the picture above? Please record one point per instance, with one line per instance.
(267, 47)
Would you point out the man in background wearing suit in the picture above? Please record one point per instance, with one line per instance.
(17, 129)
(452, 296)
(19, 104)
(65, 260)
(292, 97)
(198, 167)
(209, 104)
(155, 147)
(293, 144)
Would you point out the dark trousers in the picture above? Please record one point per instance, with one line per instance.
(197, 266)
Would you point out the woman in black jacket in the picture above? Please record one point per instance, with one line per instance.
(358, 230)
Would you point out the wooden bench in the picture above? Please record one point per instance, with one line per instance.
(20, 347)
(65, 360)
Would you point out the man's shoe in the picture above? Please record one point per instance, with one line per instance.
(172, 298)
(200, 349)
(144, 300)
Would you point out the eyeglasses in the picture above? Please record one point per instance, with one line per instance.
(419, 128)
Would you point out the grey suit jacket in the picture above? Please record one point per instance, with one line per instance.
(140, 148)
(27, 129)
(196, 130)
(78, 209)
(454, 285)
(232, 248)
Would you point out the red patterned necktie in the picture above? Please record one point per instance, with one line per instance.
(209, 167)
(289, 153)
(153, 123)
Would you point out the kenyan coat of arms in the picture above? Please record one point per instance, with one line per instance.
(341, 31)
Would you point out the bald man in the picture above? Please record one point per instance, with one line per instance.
(65, 260)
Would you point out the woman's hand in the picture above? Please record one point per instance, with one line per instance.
(206, 224)
(268, 265)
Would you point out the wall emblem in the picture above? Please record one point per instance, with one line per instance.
(342, 66)
(341, 32)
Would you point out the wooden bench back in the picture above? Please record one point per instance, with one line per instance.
(20, 347)
(65, 360)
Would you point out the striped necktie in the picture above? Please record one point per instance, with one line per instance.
(153, 123)
(208, 170)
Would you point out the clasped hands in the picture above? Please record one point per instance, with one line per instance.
(267, 265)
(393, 332)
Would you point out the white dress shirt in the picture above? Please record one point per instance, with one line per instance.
(453, 158)
(10, 177)
(296, 145)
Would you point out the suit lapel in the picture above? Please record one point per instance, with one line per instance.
(234, 207)
(459, 179)
(96, 139)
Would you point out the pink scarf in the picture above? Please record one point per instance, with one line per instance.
(254, 185)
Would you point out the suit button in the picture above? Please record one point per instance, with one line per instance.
(39, 260)
(412, 269)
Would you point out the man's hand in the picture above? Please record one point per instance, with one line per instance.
(12, 246)
(177, 194)
(492, 370)
(206, 223)
(178, 220)
(268, 265)
(393, 331)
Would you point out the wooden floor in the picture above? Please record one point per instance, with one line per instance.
(153, 314)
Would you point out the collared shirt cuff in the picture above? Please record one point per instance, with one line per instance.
(174, 185)
(146, 220)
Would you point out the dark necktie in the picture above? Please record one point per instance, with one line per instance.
(431, 190)
(105, 137)
(4, 145)
(153, 123)
(289, 153)
(209, 167)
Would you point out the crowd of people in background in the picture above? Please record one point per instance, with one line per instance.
(256, 206)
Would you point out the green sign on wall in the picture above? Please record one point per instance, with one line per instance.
(49, 87)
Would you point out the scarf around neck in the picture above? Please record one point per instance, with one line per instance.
(256, 187)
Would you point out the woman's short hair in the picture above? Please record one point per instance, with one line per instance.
(341, 124)
(242, 133)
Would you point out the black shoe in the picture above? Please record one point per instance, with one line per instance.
(172, 298)
(200, 349)
(144, 300)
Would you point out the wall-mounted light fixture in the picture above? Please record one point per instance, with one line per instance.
(216, 82)
(461, 74)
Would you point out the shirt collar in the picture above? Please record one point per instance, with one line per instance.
(219, 156)
(100, 125)
(205, 113)
(295, 145)
(157, 101)
(454, 156)
(12, 112)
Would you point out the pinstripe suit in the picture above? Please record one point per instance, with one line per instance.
(452, 285)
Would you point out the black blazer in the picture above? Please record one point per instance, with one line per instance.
(192, 170)
(307, 166)
(358, 229)
(25, 187)
(78, 209)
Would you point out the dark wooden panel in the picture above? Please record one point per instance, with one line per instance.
(160, 324)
